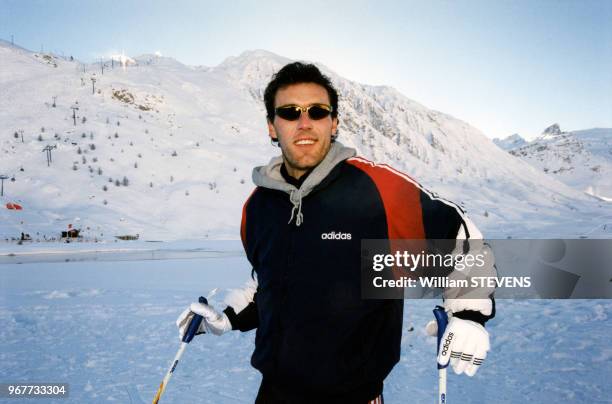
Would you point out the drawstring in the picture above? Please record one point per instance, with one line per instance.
(297, 205)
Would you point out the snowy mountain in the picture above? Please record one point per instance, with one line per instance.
(510, 142)
(552, 131)
(581, 159)
(165, 150)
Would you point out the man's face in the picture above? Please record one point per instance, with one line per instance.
(304, 142)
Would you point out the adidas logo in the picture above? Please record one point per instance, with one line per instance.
(335, 236)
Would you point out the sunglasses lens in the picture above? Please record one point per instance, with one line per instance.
(316, 112)
(292, 113)
(289, 113)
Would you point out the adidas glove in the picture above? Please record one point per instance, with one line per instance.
(465, 344)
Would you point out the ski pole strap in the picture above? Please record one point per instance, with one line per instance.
(442, 320)
(195, 323)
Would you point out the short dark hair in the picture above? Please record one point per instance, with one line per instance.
(296, 73)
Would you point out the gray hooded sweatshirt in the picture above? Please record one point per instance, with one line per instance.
(269, 176)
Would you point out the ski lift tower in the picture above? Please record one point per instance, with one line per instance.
(48, 149)
(74, 110)
(2, 178)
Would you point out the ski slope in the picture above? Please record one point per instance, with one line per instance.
(165, 150)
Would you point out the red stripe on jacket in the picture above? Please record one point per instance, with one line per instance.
(243, 220)
(400, 196)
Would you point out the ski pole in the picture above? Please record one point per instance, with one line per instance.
(191, 331)
(442, 320)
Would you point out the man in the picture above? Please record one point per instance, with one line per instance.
(317, 340)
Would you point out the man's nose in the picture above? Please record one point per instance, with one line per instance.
(304, 122)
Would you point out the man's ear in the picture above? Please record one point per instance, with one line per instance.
(272, 131)
(334, 127)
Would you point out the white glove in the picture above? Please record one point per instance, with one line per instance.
(465, 343)
(213, 322)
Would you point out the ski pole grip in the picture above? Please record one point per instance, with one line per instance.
(195, 323)
(442, 320)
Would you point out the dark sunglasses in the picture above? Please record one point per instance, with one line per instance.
(293, 112)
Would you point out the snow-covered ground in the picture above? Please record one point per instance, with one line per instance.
(107, 328)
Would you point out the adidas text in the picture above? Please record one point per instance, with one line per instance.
(335, 236)
(447, 342)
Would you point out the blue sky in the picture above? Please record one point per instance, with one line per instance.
(503, 66)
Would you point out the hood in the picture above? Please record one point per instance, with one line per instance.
(270, 177)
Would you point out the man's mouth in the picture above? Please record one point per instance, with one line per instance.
(301, 142)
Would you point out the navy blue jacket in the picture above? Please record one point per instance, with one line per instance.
(316, 336)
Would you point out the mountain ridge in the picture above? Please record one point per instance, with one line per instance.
(195, 134)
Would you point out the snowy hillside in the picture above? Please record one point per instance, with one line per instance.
(581, 159)
(184, 142)
(165, 150)
(510, 142)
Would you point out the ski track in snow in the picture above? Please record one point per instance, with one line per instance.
(107, 328)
